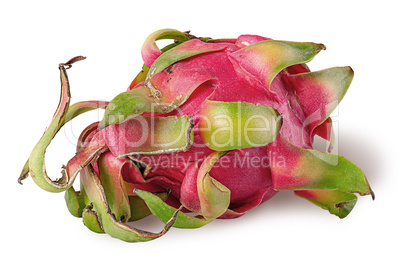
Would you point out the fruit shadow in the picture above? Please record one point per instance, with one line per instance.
(365, 153)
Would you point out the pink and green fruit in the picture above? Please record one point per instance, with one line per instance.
(209, 128)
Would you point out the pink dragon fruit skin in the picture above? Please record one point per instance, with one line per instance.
(220, 125)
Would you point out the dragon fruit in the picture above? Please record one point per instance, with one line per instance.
(213, 127)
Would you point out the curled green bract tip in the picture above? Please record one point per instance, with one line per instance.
(127, 105)
(238, 125)
(36, 161)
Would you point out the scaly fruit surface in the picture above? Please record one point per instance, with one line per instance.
(209, 126)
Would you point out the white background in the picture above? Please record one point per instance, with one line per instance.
(38, 35)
